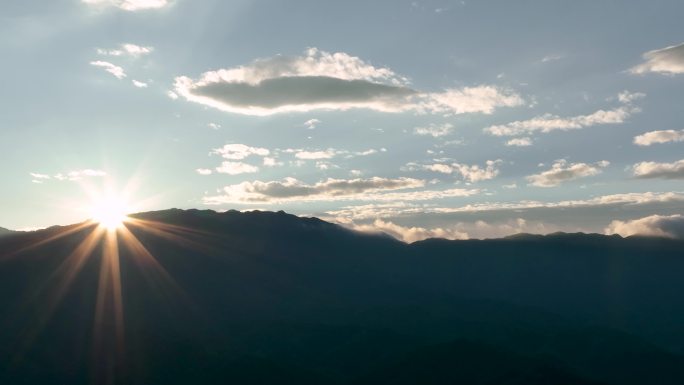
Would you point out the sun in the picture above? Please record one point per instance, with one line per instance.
(110, 212)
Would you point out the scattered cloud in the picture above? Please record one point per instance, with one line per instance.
(236, 168)
(434, 130)
(129, 5)
(519, 142)
(655, 225)
(329, 81)
(115, 70)
(214, 126)
(470, 173)
(562, 171)
(654, 170)
(238, 151)
(658, 137)
(204, 171)
(139, 84)
(126, 49)
(668, 60)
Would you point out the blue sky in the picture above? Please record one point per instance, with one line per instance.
(459, 119)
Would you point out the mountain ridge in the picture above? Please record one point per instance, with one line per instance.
(239, 295)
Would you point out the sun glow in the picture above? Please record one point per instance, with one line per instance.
(110, 212)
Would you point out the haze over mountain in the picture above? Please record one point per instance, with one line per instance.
(272, 298)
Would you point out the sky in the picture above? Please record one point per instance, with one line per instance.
(455, 119)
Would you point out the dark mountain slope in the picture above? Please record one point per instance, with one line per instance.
(273, 298)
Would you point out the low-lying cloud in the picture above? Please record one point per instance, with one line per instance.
(671, 226)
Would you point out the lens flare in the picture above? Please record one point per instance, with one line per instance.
(110, 212)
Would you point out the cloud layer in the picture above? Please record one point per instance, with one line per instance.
(293, 190)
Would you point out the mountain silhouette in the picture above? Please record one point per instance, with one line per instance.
(272, 298)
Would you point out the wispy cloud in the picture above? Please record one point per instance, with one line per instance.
(129, 5)
(548, 122)
(126, 49)
(434, 130)
(72, 176)
(115, 70)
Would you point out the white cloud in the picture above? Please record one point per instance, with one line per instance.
(238, 151)
(470, 173)
(235, 168)
(115, 70)
(291, 189)
(475, 173)
(79, 175)
(314, 155)
(434, 130)
(329, 81)
(410, 234)
(548, 122)
(562, 171)
(655, 225)
(483, 99)
(214, 126)
(139, 84)
(129, 5)
(271, 162)
(519, 142)
(311, 123)
(657, 137)
(127, 49)
(204, 171)
(668, 60)
(39, 176)
(652, 170)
